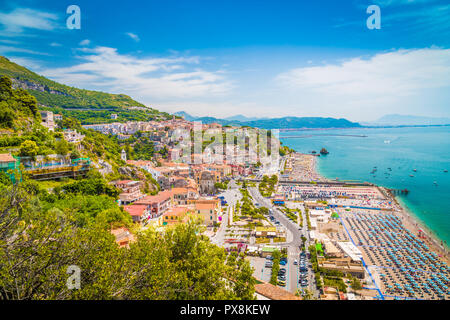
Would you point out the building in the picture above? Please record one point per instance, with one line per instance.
(123, 237)
(158, 204)
(209, 211)
(114, 116)
(267, 291)
(331, 250)
(73, 136)
(182, 195)
(58, 117)
(206, 183)
(266, 232)
(48, 120)
(123, 155)
(175, 215)
(131, 191)
(8, 162)
(139, 213)
(344, 265)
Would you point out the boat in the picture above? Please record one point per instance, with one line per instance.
(415, 170)
(435, 183)
(411, 176)
(387, 141)
(445, 170)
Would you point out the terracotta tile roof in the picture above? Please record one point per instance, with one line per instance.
(6, 157)
(160, 197)
(205, 206)
(136, 209)
(274, 293)
(176, 211)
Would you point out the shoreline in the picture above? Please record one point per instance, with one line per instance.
(409, 219)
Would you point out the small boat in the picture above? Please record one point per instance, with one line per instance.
(435, 183)
(387, 141)
(412, 176)
(446, 170)
(415, 170)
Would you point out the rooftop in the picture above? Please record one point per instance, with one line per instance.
(274, 293)
(6, 157)
(136, 209)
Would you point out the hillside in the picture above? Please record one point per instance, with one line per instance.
(86, 105)
(278, 123)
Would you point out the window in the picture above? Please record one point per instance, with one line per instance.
(210, 218)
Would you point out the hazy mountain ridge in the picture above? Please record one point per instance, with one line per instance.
(277, 123)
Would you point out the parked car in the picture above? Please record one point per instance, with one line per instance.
(295, 262)
(304, 283)
(269, 258)
(282, 283)
(282, 262)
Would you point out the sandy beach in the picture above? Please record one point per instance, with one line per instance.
(309, 165)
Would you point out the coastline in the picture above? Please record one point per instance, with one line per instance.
(410, 220)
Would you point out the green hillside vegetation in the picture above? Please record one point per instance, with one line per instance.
(42, 239)
(22, 134)
(86, 105)
(16, 107)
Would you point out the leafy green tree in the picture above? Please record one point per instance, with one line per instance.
(28, 148)
(62, 147)
(356, 284)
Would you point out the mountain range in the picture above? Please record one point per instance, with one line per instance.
(275, 123)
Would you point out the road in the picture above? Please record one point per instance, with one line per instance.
(294, 241)
(231, 195)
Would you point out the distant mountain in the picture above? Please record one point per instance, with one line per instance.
(276, 123)
(185, 115)
(408, 120)
(303, 122)
(240, 117)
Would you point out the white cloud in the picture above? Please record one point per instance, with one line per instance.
(133, 36)
(21, 19)
(85, 42)
(400, 72)
(146, 79)
(27, 63)
(55, 44)
(7, 49)
(386, 81)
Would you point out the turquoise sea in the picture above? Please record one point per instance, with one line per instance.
(353, 157)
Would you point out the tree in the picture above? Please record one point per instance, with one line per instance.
(39, 242)
(307, 295)
(356, 284)
(28, 148)
(62, 147)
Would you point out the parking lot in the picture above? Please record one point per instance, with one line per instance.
(292, 273)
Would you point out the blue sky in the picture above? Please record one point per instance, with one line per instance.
(257, 58)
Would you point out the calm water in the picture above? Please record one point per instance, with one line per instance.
(402, 150)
